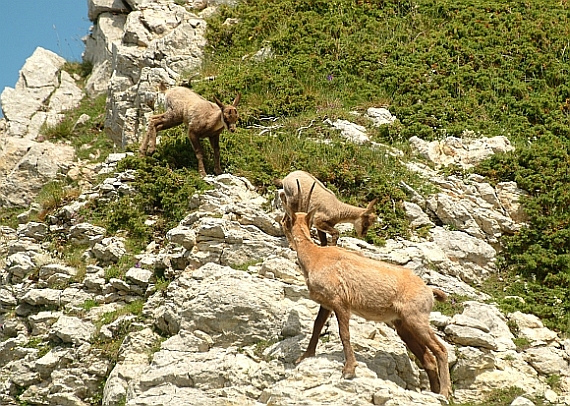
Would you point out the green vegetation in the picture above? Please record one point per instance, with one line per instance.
(82, 69)
(40, 344)
(499, 397)
(87, 138)
(110, 347)
(156, 345)
(245, 266)
(261, 346)
(8, 217)
(54, 195)
(120, 268)
(452, 306)
(89, 304)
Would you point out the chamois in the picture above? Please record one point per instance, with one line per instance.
(203, 118)
(346, 282)
(329, 210)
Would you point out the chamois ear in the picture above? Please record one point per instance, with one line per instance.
(236, 100)
(219, 103)
(286, 207)
(370, 207)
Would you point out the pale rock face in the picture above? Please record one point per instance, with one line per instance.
(41, 94)
(380, 116)
(352, 132)
(234, 334)
(463, 152)
(42, 86)
(128, 40)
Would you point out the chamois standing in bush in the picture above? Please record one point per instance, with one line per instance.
(329, 210)
(203, 118)
(345, 282)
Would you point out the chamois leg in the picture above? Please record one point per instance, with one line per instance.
(421, 352)
(322, 238)
(199, 152)
(157, 123)
(320, 321)
(215, 143)
(343, 317)
(440, 352)
(323, 229)
(150, 135)
(425, 336)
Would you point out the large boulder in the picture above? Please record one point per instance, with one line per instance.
(42, 92)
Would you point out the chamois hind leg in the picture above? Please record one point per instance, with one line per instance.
(425, 337)
(320, 321)
(198, 151)
(421, 352)
(157, 123)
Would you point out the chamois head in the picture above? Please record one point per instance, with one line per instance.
(229, 113)
(296, 214)
(365, 220)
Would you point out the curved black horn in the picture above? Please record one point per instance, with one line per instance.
(297, 200)
(309, 197)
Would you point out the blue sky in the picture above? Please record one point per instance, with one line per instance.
(57, 25)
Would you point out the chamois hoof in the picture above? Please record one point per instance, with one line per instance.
(302, 357)
(349, 375)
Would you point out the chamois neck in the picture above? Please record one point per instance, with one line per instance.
(302, 237)
(219, 117)
(304, 245)
(349, 212)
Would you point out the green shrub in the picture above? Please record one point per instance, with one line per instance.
(498, 397)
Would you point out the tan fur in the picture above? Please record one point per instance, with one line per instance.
(345, 282)
(203, 118)
(329, 210)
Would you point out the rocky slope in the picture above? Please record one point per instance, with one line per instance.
(236, 315)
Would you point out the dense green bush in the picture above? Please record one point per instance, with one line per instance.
(443, 67)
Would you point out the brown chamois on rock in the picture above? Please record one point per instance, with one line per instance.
(346, 282)
(329, 210)
(203, 118)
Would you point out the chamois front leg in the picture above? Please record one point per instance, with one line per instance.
(320, 321)
(322, 238)
(198, 151)
(215, 143)
(322, 229)
(343, 317)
